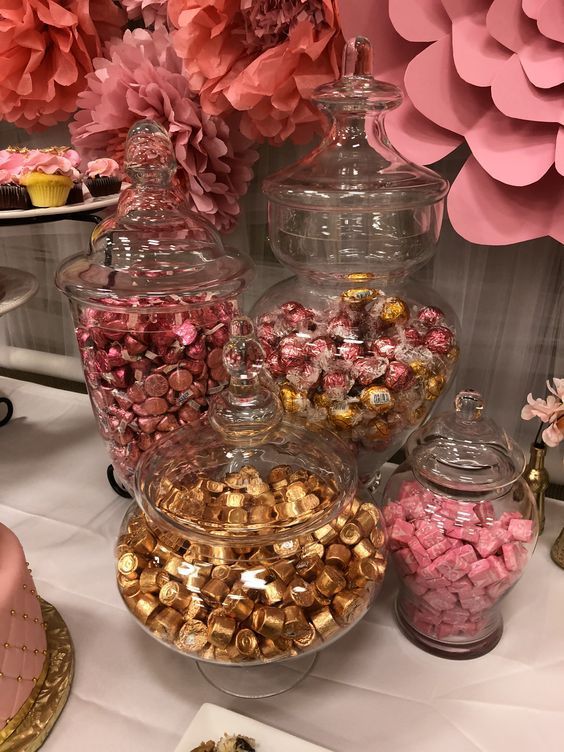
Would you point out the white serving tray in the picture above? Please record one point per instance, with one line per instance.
(211, 722)
(90, 205)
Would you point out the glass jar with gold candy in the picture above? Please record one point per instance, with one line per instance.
(251, 545)
(351, 343)
(151, 301)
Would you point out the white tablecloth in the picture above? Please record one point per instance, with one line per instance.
(372, 690)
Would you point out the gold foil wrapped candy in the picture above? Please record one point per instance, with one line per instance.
(239, 602)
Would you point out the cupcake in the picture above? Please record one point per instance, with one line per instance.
(103, 177)
(76, 194)
(48, 178)
(12, 194)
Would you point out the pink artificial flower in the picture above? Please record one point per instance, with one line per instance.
(546, 409)
(557, 389)
(489, 73)
(46, 49)
(262, 57)
(153, 12)
(142, 78)
(554, 434)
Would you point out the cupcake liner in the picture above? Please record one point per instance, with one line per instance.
(103, 186)
(13, 196)
(47, 190)
(75, 194)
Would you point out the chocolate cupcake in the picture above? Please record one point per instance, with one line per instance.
(13, 196)
(76, 196)
(102, 177)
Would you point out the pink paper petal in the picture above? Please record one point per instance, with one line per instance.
(417, 138)
(485, 211)
(423, 21)
(438, 92)
(551, 20)
(515, 96)
(512, 151)
(477, 55)
(507, 23)
(543, 62)
(559, 155)
(532, 8)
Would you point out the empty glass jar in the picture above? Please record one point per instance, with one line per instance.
(350, 342)
(251, 545)
(151, 300)
(462, 525)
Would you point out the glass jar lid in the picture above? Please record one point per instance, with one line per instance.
(355, 167)
(153, 246)
(465, 454)
(249, 475)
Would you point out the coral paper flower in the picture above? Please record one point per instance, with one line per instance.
(141, 78)
(261, 57)
(153, 12)
(46, 50)
(490, 73)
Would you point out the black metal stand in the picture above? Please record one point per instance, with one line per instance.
(117, 487)
(84, 216)
(9, 410)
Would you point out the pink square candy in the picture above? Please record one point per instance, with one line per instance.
(439, 548)
(514, 556)
(428, 533)
(400, 532)
(468, 533)
(484, 512)
(491, 539)
(440, 600)
(506, 518)
(474, 603)
(415, 584)
(393, 511)
(497, 566)
(413, 507)
(405, 561)
(497, 590)
(521, 530)
(482, 574)
(456, 615)
(423, 559)
(451, 566)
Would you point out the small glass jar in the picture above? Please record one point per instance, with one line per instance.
(151, 301)
(251, 545)
(350, 342)
(462, 525)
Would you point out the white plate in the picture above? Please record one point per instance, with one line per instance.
(211, 722)
(90, 205)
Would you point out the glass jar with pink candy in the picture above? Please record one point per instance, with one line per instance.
(152, 300)
(462, 525)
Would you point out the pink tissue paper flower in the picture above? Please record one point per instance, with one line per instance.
(46, 51)
(141, 78)
(489, 73)
(261, 57)
(152, 12)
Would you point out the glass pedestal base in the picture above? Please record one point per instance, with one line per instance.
(256, 682)
(462, 650)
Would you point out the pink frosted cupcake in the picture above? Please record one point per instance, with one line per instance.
(12, 194)
(102, 177)
(48, 178)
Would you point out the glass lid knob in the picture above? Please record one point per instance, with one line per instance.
(149, 155)
(469, 405)
(248, 411)
(357, 57)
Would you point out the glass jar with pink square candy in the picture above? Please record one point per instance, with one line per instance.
(152, 300)
(461, 527)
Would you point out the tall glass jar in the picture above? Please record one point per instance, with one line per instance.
(251, 545)
(462, 525)
(350, 342)
(151, 300)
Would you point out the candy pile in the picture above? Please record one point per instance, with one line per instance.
(371, 365)
(149, 373)
(455, 559)
(252, 602)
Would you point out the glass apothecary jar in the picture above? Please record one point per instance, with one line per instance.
(462, 525)
(151, 300)
(350, 342)
(249, 545)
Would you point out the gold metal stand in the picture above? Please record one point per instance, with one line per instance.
(537, 477)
